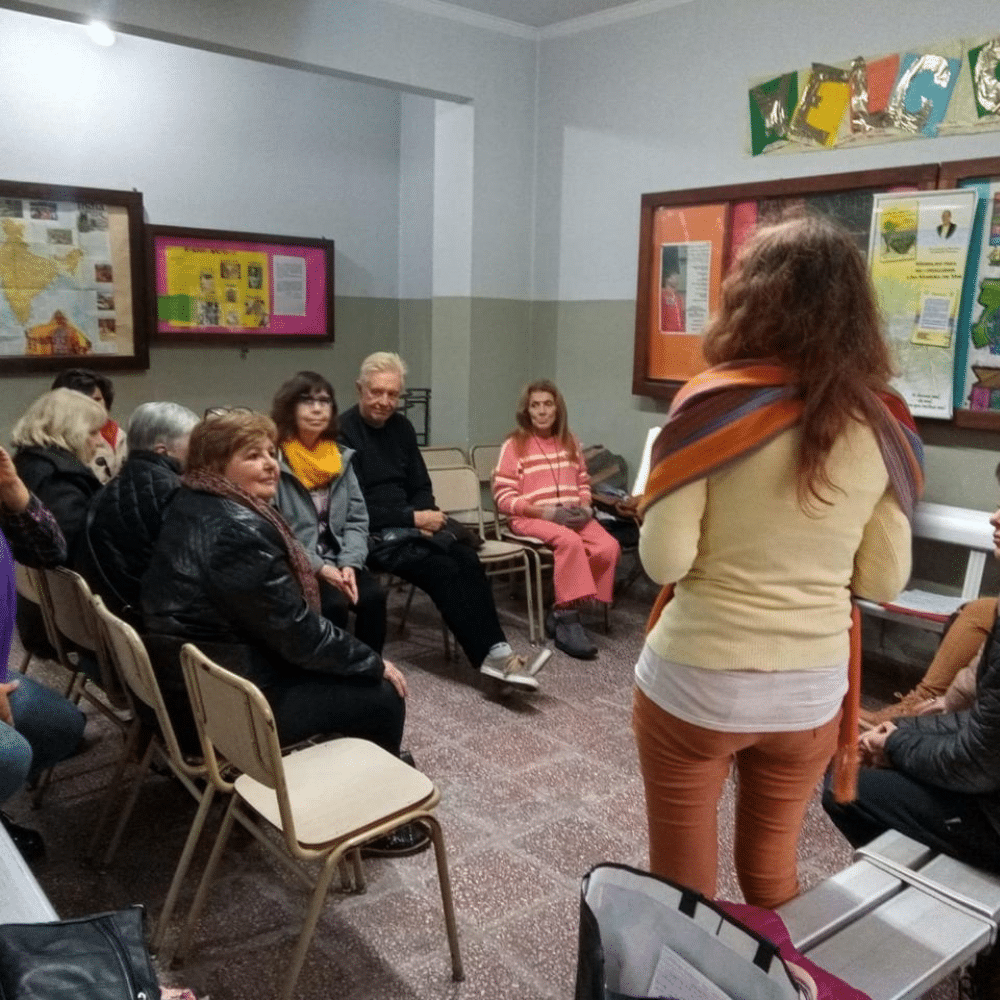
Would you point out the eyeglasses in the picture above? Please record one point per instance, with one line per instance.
(221, 411)
(306, 399)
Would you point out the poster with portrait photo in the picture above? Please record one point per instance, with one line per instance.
(685, 274)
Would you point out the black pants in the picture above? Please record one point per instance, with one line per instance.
(369, 612)
(950, 822)
(308, 703)
(455, 582)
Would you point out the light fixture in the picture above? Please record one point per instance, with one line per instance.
(100, 33)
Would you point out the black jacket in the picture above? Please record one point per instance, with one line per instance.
(220, 577)
(123, 526)
(960, 751)
(389, 467)
(64, 484)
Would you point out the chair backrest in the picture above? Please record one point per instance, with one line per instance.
(234, 721)
(72, 607)
(129, 656)
(456, 490)
(74, 617)
(28, 584)
(484, 460)
(439, 455)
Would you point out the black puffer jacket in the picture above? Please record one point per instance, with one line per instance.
(124, 524)
(64, 484)
(220, 578)
(960, 751)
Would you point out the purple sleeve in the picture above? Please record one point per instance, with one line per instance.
(33, 535)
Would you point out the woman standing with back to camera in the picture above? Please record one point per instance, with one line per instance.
(782, 483)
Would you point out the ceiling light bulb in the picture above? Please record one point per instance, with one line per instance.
(100, 33)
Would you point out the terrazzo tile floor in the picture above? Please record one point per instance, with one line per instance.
(534, 792)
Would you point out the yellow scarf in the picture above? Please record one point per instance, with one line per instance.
(313, 467)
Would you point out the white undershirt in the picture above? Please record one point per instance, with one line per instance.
(743, 701)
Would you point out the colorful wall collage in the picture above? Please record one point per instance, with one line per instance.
(944, 89)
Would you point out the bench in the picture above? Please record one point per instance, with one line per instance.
(898, 920)
(958, 526)
(22, 900)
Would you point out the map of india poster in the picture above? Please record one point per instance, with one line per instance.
(65, 279)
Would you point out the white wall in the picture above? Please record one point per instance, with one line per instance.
(385, 43)
(210, 140)
(659, 103)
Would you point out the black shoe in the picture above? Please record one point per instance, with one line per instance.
(401, 843)
(28, 842)
(571, 637)
(407, 758)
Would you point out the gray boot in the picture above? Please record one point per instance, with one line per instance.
(570, 635)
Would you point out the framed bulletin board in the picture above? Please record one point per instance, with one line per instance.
(224, 287)
(71, 278)
(687, 241)
(977, 361)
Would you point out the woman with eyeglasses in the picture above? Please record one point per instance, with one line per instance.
(229, 576)
(320, 498)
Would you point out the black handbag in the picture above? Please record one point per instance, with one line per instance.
(101, 957)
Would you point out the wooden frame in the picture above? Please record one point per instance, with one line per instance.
(734, 210)
(215, 286)
(72, 278)
(952, 175)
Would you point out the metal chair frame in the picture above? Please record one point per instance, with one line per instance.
(322, 800)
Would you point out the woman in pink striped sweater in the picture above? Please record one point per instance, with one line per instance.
(541, 484)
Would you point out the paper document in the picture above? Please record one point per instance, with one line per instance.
(679, 980)
(924, 602)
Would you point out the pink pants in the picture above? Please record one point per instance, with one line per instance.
(684, 766)
(585, 560)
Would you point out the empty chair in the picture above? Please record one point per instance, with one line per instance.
(457, 489)
(324, 801)
(437, 456)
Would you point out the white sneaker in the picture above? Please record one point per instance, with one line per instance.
(509, 670)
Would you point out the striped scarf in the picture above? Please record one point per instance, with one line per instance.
(733, 410)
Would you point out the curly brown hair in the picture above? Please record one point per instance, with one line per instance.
(560, 429)
(288, 397)
(800, 293)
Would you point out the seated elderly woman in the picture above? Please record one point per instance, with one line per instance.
(55, 439)
(109, 453)
(541, 484)
(320, 498)
(128, 513)
(228, 575)
(38, 728)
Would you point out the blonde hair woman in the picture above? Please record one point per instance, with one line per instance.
(55, 440)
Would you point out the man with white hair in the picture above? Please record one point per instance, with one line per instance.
(406, 526)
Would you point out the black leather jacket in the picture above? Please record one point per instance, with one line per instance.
(959, 751)
(63, 483)
(220, 577)
(122, 528)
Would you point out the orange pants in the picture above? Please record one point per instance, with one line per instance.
(684, 767)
